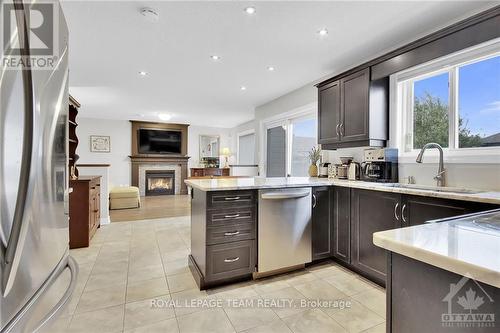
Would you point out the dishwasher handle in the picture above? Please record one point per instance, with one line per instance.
(284, 195)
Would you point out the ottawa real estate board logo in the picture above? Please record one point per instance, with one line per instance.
(469, 306)
(29, 35)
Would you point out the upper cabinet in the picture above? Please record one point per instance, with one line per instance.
(353, 111)
(354, 92)
(329, 113)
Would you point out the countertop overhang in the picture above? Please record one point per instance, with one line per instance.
(251, 183)
(461, 248)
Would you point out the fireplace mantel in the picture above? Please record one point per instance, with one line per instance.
(158, 160)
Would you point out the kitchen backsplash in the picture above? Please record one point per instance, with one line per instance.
(481, 176)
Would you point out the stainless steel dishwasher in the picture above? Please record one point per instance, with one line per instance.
(284, 229)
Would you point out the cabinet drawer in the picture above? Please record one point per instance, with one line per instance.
(230, 260)
(230, 216)
(227, 199)
(230, 233)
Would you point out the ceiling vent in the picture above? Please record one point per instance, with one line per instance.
(150, 14)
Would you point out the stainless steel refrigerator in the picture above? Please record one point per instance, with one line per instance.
(37, 275)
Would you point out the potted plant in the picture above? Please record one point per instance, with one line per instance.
(314, 156)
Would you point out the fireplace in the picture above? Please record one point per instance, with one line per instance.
(160, 182)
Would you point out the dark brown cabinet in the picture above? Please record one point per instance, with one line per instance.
(353, 111)
(341, 218)
(209, 172)
(84, 210)
(223, 233)
(322, 227)
(371, 211)
(417, 298)
(354, 90)
(329, 113)
(417, 210)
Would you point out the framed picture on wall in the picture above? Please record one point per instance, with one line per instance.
(100, 144)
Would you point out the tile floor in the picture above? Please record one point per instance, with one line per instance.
(129, 265)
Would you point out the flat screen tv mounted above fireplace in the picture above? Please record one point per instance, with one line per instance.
(158, 141)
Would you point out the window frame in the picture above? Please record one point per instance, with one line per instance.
(401, 106)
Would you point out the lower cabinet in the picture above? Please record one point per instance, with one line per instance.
(84, 210)
(341, 218)
(223, 236)
(227, 260)
(322, 227)
(417, 210)
(372, 211)
(357, 214)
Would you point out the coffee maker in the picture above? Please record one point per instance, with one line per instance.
(380, 165)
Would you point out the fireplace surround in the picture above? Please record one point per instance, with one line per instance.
(176, 163)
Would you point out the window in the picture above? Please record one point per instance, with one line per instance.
(246, 149)
(479, 104)
(304, 132)
(288, 142)
(454, 101)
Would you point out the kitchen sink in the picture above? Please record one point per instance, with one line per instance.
(435, 188)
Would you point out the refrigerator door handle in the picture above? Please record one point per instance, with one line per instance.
(73, 267)
(23, 315)
(11, 251)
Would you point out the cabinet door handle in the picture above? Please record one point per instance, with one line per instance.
(231, 198)
(403, 213)
(396, 211)
(231, 233)
(337, 129)
(314, 200)
(341, 128)
(231, 259)
(231, 216)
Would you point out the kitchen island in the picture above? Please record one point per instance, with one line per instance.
(344, 215)
(444, 276)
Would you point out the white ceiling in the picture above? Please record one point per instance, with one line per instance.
(110, 42)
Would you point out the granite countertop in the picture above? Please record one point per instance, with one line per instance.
(461, 245)
(227, 184)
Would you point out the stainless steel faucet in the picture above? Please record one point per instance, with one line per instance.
(440, 177)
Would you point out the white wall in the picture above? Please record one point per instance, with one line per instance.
(121, 141)
(194, 132)
(120, 133)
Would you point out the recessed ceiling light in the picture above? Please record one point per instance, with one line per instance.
(323, 32)
(143, 73)
(214, 57)
(150, 14)
(243, 88)
(164, 116)
(250, 10)
(270, 68)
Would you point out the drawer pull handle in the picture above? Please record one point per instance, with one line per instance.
(231, 233)
(231, 198)
(231, 259)
(232, 216)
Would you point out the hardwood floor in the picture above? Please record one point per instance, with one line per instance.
(154, 207)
